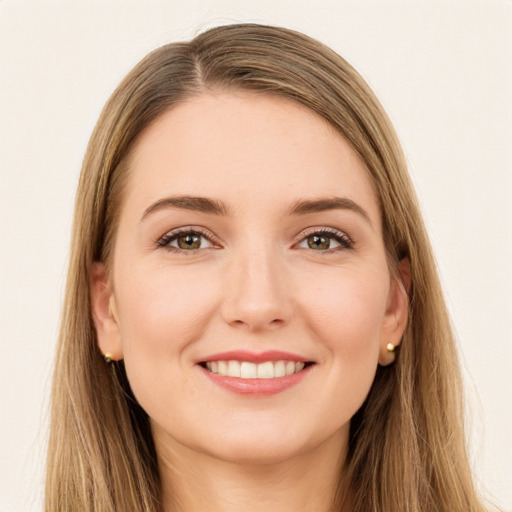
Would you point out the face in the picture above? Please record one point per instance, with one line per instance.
(250, 295)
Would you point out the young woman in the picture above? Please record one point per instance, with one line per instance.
(253, 318)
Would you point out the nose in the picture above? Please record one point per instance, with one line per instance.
(257, 294)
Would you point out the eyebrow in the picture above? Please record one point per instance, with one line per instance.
(198, 204)
(304, 207)
(218, 207)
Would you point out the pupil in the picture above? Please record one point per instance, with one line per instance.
(189, 242)
(318, 242)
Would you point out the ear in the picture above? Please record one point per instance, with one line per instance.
(104, 313)
(395, 319)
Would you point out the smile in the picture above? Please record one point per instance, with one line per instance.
(251, 374)
(249, 370)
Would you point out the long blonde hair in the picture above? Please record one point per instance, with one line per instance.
(407, 448)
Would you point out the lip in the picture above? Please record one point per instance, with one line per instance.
(256, 387)
(253, 357)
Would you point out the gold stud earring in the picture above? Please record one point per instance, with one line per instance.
(108, 357)
(390, 347)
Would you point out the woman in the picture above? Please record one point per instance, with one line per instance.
(253, 317)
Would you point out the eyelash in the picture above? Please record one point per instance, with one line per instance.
(333, 234)
(173, 235)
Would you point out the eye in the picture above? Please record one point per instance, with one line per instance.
(326, 240)
(187, 240)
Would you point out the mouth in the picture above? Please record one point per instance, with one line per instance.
(250, 370)
(252, 374)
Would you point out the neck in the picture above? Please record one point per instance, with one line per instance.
(193, 481)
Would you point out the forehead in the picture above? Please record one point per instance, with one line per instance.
(245, 148)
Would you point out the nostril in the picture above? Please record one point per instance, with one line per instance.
(256, 300)
(257, 322)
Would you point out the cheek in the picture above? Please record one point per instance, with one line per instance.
(163, 308)
(348, 307)
(162, 313)
(345, 312)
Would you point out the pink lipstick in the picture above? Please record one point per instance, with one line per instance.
(256, 374)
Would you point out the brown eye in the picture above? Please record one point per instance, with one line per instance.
(189, 241)
(326, 240)
(186, 241)
(318, 242)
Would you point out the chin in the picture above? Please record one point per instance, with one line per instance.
(269, 444)
(252, 452)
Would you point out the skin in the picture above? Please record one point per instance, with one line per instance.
(254, 284)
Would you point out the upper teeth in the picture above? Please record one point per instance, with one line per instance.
(246, 370)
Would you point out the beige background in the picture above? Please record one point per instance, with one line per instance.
(443, 70)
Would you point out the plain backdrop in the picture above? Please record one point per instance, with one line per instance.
(443, 71)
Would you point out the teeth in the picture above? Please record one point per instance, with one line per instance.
(222, 367)
(247, 370)
(234, 368)
(290, 367)
(266, 370)
(279, 369)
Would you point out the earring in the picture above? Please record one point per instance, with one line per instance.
(390, 347)
(108, 357)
